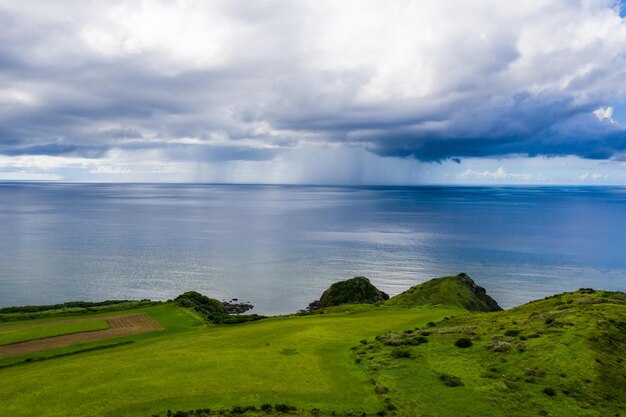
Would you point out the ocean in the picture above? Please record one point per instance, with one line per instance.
(279, 247)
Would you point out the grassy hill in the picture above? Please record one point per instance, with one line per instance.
(558, 357)
(459, 290)
(358, 290)
(563, 356)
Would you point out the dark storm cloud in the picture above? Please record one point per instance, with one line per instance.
(234, 81)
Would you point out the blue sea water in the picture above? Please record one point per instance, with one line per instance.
(279, 247)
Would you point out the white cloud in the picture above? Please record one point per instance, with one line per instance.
(593, 176)
(499, 174)
(604, 113)
(315, 83)
(28, 176)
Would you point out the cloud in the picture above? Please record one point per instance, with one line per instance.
(603, 113)
(592, 176)
(499, 174)
(232, 81)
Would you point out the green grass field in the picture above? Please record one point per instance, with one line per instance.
(557, 357)
(23, 334)
(305, 361)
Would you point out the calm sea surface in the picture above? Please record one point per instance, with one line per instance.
(279, 247)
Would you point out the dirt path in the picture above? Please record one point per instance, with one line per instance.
(118, 326)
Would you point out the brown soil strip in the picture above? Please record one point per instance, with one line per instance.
(118, 326)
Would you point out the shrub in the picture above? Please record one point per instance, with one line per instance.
(393, 339)
(499, 344)
(266, 407)
(451, 380)
(380, 390)
(401, 353)
(415, 341)
(535, 372)
(511, 333)
(550, 392)
(284, 408)
(241, 410)
(501, 347)
(463, 342)
(430, 324)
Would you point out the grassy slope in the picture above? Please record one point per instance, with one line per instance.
(304, 361)
(446, 291)
(571, 343)
(16, 335)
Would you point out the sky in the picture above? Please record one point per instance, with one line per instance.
(316, 92)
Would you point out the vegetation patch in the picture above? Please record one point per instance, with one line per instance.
(459, 290)
(451, 380)
(463, 342)
(213, 310)
(358, 290)
(559, 370)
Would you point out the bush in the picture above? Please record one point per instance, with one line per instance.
(393, 339)
(284, 408)
(380, 390)
(401, 353)
(463, 342)
(266, 407)
(550, 392)
(511, 333)
(241, 410)
(415, 341)
(451, 380)
(535, 372)
(499, 344)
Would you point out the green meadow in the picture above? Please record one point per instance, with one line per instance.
(300, 360)
(557, 357)
(23, 334)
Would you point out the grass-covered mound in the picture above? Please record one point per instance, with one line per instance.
(211, 309)
(562, 356)
(459, 290)
(358, 290)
